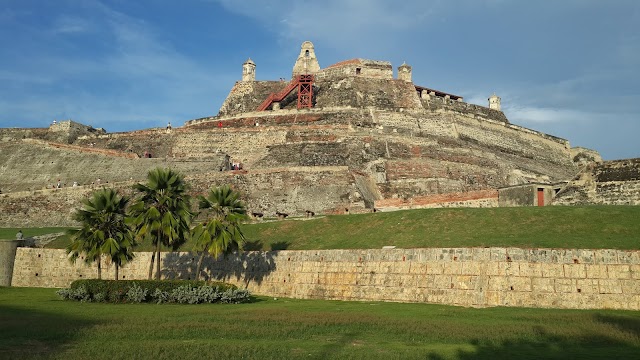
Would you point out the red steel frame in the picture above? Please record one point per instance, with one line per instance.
(304, 84)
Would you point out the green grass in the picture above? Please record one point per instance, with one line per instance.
(591, 227)
(10, 233)
(554, 227)
(34, 324)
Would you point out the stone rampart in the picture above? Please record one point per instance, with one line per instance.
(480, 277)
(608, 183)
(472, 199)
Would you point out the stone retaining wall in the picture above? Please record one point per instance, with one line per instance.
(553, 278)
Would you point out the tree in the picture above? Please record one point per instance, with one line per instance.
(221, 233)
(103, 231)
(162, 215)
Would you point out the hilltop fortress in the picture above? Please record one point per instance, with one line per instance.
(349, 137)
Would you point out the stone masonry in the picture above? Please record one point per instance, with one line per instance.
(478, 277)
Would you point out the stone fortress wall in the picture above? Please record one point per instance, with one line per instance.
(479, 277)
(369, 139)
(607, 183)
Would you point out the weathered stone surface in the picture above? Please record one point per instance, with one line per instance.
(614, 182)
(458, 276)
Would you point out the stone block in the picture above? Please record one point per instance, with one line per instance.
(606, 256)
(435, 268)
(418, 268)
(552, 270)
(596, 271)
(587, 286)
(498, 254)
(610, 286)
(517, 254)
(530, 269)
(630, 287)
(575, 271)
(442, 282)
(565, 285)
(627, 257)
(481, 254)
(543, 285)
(619, 271)
(452, 268)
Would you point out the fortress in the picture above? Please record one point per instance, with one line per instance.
(349, 137)
(346, 138)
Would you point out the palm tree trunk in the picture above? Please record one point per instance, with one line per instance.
(117, 271)
(199, 265)
(158, 261)
(99, 269)
(153, 256)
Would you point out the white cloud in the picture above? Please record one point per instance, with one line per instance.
(70, 25)
(546, 115)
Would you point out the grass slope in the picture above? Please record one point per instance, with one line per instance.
(531, 227)
(34, 324)
(591, 227)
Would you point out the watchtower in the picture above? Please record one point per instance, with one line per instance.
(404, 72)
(494, 102)
(307, 63)
(249, 70)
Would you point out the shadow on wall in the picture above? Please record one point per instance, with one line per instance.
(245, 267)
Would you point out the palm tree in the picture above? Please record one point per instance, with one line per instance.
(103, 231)
(162, 215)
(221, 233)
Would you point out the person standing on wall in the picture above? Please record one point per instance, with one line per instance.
(19, 235)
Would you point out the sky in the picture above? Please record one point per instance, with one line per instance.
(569, 68)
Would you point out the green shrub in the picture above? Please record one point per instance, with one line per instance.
(137, 294)
(163, 291)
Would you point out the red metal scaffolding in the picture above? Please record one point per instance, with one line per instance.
(304, 84)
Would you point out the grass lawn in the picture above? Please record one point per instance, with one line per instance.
(34, 324)
(10, 233)
(595, 227)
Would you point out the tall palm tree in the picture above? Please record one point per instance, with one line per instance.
(103, 231)
(162, 215)
(221, 233)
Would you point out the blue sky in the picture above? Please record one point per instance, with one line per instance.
(568, 68)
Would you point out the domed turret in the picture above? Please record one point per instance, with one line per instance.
(249, 70)
(307, 62)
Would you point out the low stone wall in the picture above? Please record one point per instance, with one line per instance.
(473, 199)
(554, 278)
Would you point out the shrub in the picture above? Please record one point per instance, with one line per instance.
(137, 291)
(136, 294)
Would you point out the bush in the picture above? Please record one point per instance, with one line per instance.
(136, 294)
(137, 291)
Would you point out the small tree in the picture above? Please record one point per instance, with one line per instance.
(221, 233)
(162, 215)
(103, 231)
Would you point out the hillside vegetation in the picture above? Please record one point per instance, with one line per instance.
(615, 227)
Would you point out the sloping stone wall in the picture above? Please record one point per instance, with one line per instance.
(553, 278)
(614, 182)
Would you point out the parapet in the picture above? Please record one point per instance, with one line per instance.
(357, 67)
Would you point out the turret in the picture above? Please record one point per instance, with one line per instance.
(494, 102)
(249, 70)
(404, 72)
(307, 62)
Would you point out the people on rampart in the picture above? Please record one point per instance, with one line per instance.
(19, 235)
